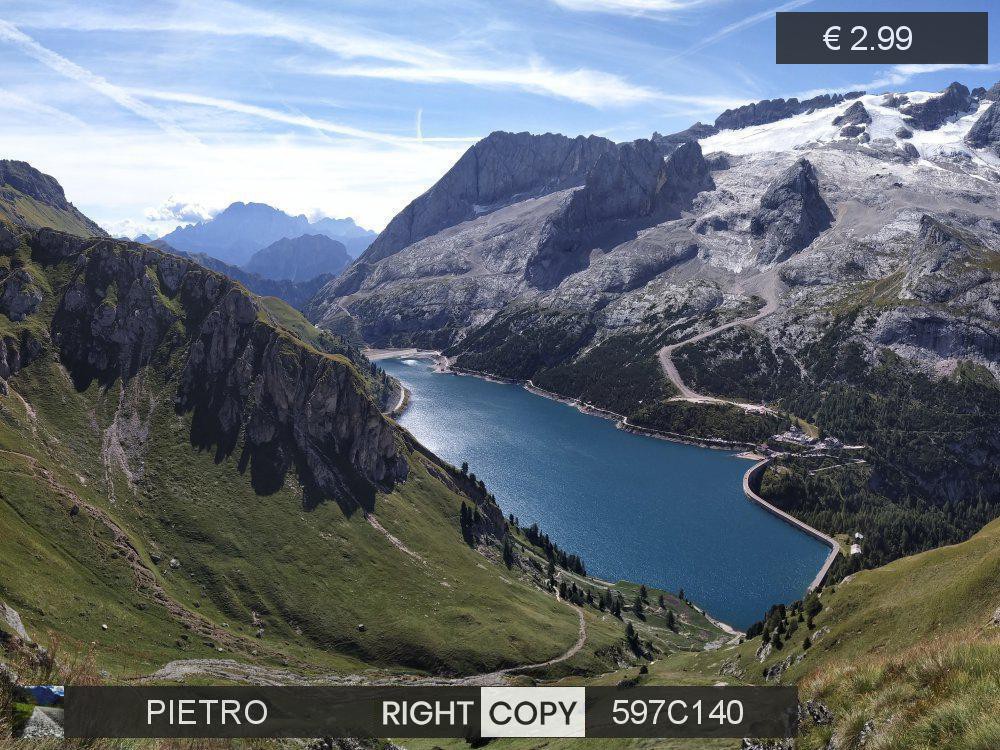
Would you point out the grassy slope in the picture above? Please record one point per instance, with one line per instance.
(311, 575)
(27, 211)
(907, 647)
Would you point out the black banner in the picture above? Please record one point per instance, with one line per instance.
(465, 712)
(883, 38)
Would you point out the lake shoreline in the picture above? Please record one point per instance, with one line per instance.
(443, 365)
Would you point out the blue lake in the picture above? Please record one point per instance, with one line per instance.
(634, 508)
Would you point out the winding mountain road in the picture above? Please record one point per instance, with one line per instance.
(766, 286)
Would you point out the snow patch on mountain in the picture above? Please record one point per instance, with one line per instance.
(813, 129)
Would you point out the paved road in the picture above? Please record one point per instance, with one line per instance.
(766, 286)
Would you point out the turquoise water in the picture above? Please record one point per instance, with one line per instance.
(634, 508)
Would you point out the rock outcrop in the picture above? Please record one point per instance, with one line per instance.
(856, 114)
(933, 113)
(985, 133)
(631, 188)
(772, 110)
(792, 213)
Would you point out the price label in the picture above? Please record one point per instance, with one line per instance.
(846, 38)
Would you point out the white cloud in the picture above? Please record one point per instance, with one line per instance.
(298, 173)
(53, 60)
(174, 210)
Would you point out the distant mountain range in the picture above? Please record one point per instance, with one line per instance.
(242, 229)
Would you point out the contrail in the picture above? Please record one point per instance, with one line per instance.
(13, 35)
(738, 26)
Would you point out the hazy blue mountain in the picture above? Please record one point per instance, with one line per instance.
(236, 233)
(300, 258)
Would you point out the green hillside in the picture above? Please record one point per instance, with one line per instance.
(128, 500)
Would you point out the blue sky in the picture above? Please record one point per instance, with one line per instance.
(151, 114)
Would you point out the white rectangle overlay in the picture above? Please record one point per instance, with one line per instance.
(532, 712)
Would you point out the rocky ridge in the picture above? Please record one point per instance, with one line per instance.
(248, 385)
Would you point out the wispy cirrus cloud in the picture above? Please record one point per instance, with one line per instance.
(299, 120)
(591, 87)
(402, 60)
(10, 34)
(737, 26)
(14, 102)
(339, 35)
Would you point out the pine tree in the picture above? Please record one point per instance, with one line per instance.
(671, 621)
(680, 595)
(508, 552)
(465, 467)
(663, 604)
(637, 607)
(643, 593)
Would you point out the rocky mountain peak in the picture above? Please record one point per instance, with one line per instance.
(792, 213)
(933, 113)
(495, 170)
(26, 179)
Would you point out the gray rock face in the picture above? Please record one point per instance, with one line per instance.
(985, 133)
(10, 621)
(633, 187)
(852, 131)
(495, 170)
(772, 110)
(19, 294)
(792, 213)
(856, 114)
(933, 113)
(904, 132)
